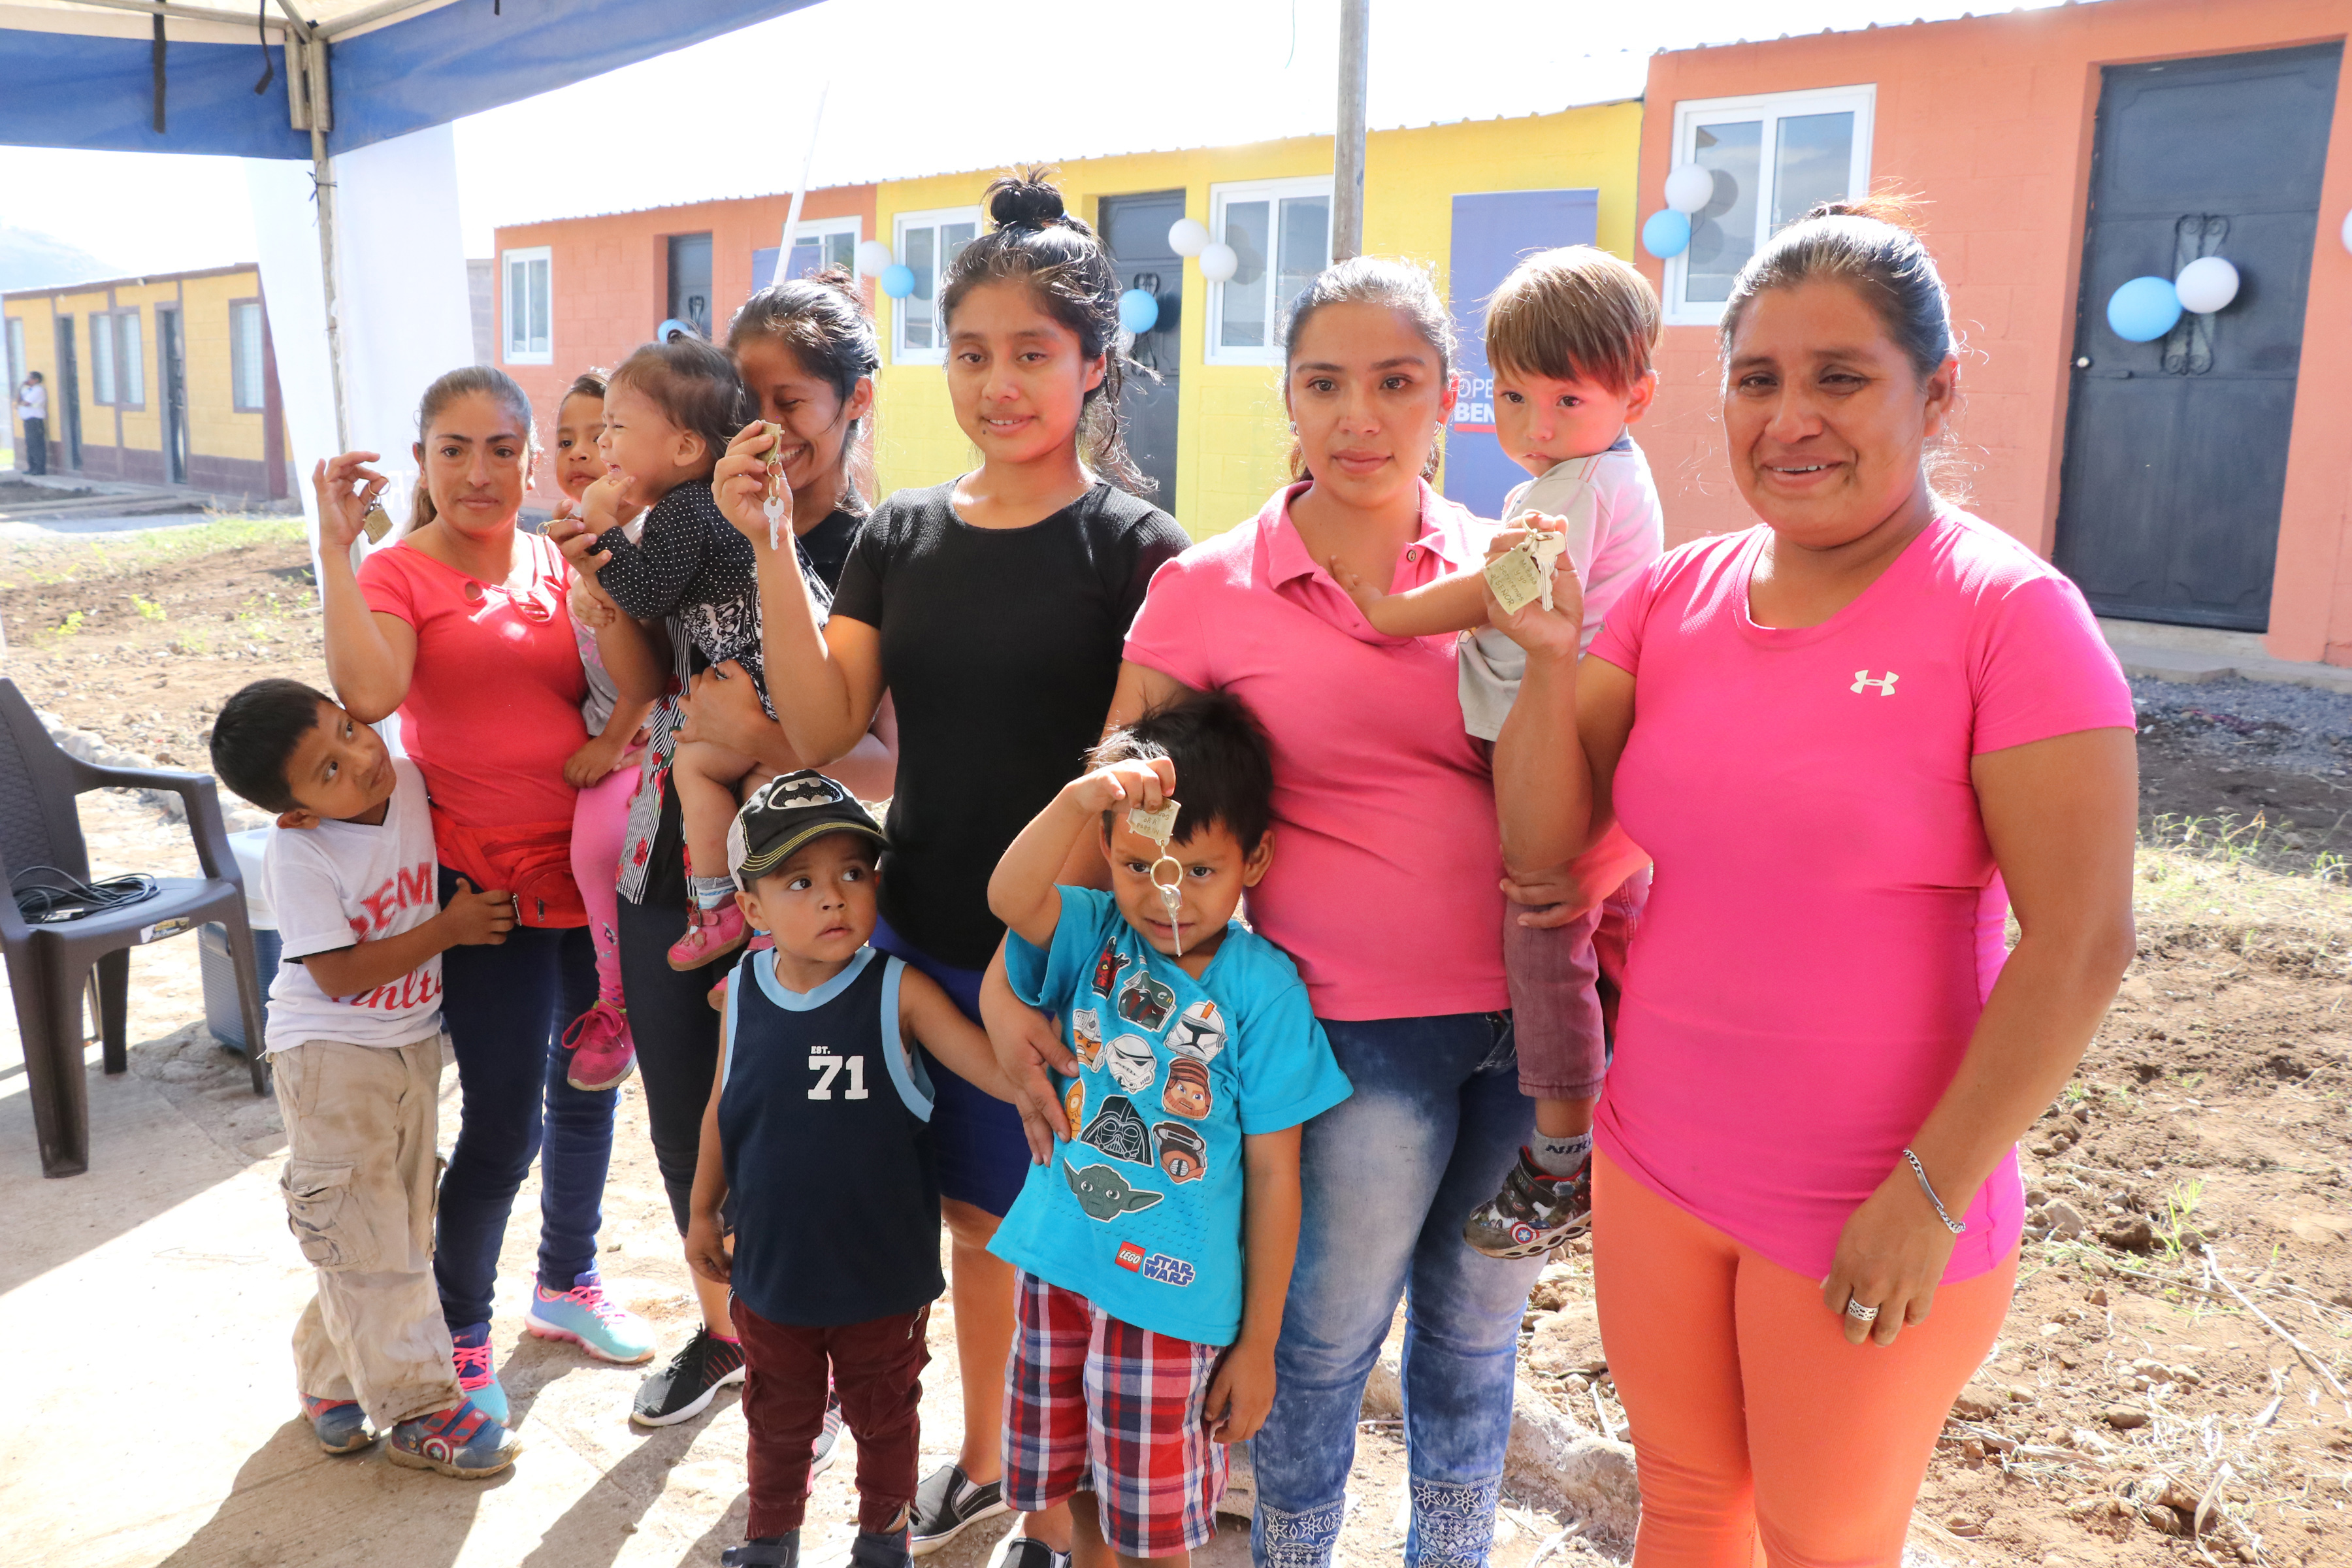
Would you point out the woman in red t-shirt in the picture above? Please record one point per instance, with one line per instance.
(461, 628)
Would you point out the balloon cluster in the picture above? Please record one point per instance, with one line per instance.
(1688, 191)
(2147, 308)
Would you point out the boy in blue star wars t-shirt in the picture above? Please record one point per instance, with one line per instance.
(1163, 1230)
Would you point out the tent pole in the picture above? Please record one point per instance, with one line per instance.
(792, 214)
(322, 171)
(1347, 140)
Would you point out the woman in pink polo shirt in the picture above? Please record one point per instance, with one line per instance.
(1852, 738)
(1386, 888)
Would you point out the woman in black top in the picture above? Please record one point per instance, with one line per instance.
(806, 352)
(992, 610)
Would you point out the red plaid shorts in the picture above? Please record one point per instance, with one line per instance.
(1092, 1404)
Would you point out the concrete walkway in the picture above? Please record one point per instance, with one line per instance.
(2193, 655)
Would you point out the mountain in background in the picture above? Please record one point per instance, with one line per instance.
(30, 259)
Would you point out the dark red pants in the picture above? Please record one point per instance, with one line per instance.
(876, 1367)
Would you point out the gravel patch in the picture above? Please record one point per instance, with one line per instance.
(2298, 729)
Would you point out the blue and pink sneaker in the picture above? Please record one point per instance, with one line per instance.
(339, 1425)
(604, 1328)
(461, 1441)
(478, 1374)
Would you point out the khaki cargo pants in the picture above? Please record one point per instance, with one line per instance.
(359, 1188)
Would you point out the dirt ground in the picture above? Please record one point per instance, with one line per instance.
(2169, 1385)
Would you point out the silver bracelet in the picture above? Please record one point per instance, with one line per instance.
(1920, 1171)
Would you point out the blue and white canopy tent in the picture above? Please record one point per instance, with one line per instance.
(362, 92)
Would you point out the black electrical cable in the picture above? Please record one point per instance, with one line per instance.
(69, 898)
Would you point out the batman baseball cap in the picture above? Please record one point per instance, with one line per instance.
(786, 812)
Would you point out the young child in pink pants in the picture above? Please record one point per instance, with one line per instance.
(605, 770)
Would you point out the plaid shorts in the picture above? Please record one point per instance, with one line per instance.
(1092, 1404)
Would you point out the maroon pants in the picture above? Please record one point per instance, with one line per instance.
(877, 1369)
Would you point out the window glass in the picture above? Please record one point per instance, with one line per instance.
(1306, 246)
(518, 308)
(917, 309)
(1812, 163)
(245, 353)
(102, 359)
(1723, 233)
(134, 361)
(16, 351)
(539, 306)
(1242, 324)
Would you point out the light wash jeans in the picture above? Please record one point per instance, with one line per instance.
(1388, 1177)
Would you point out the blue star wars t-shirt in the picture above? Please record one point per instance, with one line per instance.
(1140, 1212)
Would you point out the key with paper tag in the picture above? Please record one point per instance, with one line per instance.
(1157, 824)
(1521, 576)
(774, 505)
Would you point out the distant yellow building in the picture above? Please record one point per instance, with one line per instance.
(169, 379)
(1464, 199)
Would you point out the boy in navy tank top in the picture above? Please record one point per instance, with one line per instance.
(818, 1125)
(1146, 1325)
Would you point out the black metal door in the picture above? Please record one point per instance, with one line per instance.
(689, 281)
(2176, 449)
(65, 398)
(171, 361)
(1135, 231)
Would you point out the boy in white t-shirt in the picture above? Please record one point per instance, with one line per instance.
(1569, 334)
(354, 1034)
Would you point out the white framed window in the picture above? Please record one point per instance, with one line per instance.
(1281, 230)
(131, 361)
(1773, 156)
(15, 353)
(927, 242)
(529, 309)
(101, 357)
(248, 391)
(818, 243)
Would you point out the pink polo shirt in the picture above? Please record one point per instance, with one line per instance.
(1387, 855)
(1827, 917)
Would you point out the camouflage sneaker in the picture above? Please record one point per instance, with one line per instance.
(1534, 1212)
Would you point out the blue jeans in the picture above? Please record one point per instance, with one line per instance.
(506, 1008)
(1388, 1175)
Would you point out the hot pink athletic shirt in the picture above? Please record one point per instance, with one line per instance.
(493, 706)
(1826, 920)
(1387, 857)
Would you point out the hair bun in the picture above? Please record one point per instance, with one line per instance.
(1025, 200)
(1889, 207)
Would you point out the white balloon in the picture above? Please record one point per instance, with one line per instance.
(873, 256)
(2346, 232)
(2206, 285)
(1690, 188)
(1219, 261)
(1187, 237)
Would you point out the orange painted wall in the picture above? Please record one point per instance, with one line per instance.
(1990, 121)
(609, 281)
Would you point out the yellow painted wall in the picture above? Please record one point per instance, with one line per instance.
(216, 429)
(215, 426)
(1231, 440)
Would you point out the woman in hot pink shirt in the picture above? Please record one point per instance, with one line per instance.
(1851, 738)
(1386, 888)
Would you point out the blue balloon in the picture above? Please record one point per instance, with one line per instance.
(1139, 312)
(2143, 310)
(898, 280)
(1668, 233)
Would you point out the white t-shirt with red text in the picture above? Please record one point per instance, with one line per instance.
(341, 883)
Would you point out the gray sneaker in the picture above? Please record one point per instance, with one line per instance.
(1534, 1212)
(948, 1503)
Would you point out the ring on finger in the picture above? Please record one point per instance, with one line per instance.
(1860, 1313)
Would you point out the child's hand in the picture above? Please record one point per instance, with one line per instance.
(600, 504)
(591, 606)
(479, 919)
(1557, 632)
(597, 760)
(1135, 783)
(346, 487)
(1355, 587)
(706, 1251)
(740, 484)
(1239, 1393)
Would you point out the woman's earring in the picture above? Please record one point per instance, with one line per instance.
(1294, 427)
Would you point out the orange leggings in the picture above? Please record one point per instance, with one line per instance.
(1763, 1438)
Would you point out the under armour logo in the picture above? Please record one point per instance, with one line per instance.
(1885, 683)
